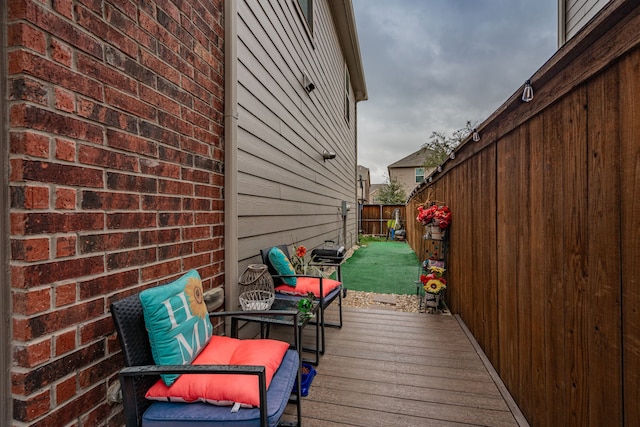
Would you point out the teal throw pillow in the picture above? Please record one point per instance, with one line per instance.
(177, 321)
(283, 266)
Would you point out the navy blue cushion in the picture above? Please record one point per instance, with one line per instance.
(168, 414)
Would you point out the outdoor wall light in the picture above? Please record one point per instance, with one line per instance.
(527, 93)
(476, 136)
(452, 155)
(328, 155)
(307, 83)
(439, 168)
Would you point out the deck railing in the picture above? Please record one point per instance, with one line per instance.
(544, 255)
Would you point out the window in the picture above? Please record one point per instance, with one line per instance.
(347, 95)
(307, 11)
(419, 175)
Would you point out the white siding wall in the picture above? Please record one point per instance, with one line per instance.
(287, 193)
(578, 13)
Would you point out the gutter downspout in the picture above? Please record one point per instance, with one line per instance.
(230, 155)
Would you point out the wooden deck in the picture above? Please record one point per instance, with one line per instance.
(387, 368)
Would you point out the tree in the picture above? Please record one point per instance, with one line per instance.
(392, 193)
(442, 145)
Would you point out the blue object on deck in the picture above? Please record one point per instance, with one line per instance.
(306, 379)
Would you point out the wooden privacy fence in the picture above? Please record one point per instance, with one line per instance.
(374, 218)
(544, 255)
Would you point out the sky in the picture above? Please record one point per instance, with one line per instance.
(433, 65)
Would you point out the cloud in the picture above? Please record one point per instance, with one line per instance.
(433, 65)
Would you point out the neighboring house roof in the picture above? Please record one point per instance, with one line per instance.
(413, 160)
(345, 21)
(373, 191)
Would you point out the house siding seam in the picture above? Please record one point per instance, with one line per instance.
(116, 177)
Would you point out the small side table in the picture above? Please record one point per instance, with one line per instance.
(287, 304)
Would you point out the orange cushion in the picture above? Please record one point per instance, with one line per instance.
(309, 284)
(225, 389)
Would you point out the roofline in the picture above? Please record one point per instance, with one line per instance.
(345, 21)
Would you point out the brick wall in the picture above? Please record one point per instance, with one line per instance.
(116, 178)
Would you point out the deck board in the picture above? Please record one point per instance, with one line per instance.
(403, 369)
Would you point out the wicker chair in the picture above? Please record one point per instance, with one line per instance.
(325, 301)
(141, 373)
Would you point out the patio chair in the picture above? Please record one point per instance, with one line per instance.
(325, 290)
(141, 373)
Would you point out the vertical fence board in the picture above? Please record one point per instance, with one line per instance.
(605, 402)
(574, 254)
(630, 236)
(552, 236)
(523, 265)
(507, 246)
(537, 280)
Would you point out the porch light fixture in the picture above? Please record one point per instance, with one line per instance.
(527, 93)
(328, 155)
(476, 136)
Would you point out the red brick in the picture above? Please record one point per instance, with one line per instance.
(52, 272)
(65, 294)
(176, 250)
(170, 219)
(51, 322)
(55, 173)
(194, 262)
(155, 98)
(64, 7)
(70, 411)
(161, 203)
(65, 150)
(41, 68)
(32, 302)
(107, 284)
(21, 329)
(130, 104)
(29, 143)
(131, 143)
(131, 220)
(196, 233)
(30, 250)
(103, 157)
(64, 100)
(65, 246)
(156, 237)
(65, 342)
(26, 89)
(61, 53)
(166, 186)
(59, 368)
(48, 121)
(108, 241)
(31, 355)
(108, 116)
(65, 390)
(65, 198)
(90, 331)
(36, 197)
(99, 28)
(31, 408)
(163, 271)
(106, 75)
(21, 34)
(53, 222)
(131, 258)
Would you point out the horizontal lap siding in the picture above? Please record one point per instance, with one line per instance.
(543, 263)
(287, 192)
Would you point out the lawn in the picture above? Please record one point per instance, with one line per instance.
(386, 267)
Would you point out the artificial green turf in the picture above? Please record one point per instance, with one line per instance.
(382, 267)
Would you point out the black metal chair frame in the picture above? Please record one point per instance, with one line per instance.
(324, 302)
(141, 372)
